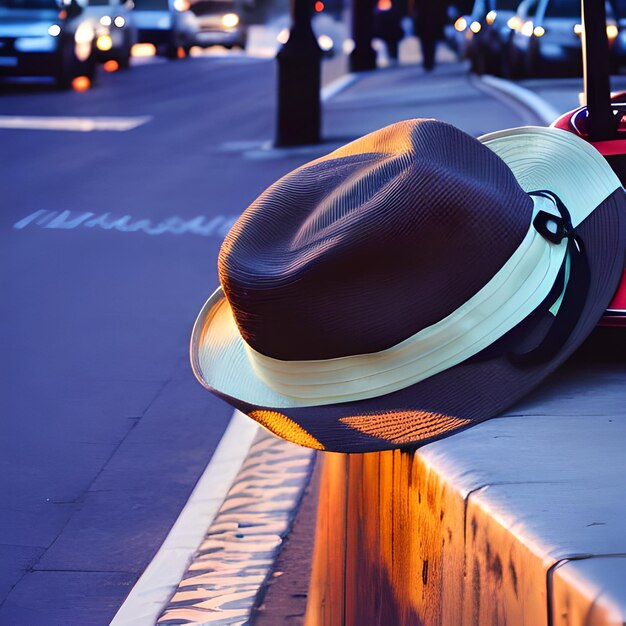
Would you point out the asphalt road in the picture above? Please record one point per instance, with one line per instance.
(104, 431)
(108, 246)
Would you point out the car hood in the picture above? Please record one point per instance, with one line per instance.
(27, 23)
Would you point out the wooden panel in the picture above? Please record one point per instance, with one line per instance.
(326, 592)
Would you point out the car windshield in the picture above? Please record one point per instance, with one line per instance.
(619, 7)
(563, 8)
(506, 5)
(213, 6)
(151, 5)
(29, 4)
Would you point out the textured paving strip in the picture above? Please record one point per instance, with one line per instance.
(223, 581)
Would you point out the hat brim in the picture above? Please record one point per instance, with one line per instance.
(471, 391)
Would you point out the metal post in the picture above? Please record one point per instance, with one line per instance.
(299, 68)
(363, 57)
(595, 44)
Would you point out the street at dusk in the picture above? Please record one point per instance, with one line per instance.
(115, 201)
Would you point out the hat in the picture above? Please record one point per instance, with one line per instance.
(411, 284)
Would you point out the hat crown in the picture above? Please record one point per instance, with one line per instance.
(358, 250)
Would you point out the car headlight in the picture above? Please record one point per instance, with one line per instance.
(181, 5)
(527, 29)
(612, 31)
(514, 22)
(283, 36)
(460, 25)
(230, 20)
(119, 21)
(46, 43)
(475, 27)
(104, 43)
(54, 30)
(490, 18)
(325, 43)
(105, 20)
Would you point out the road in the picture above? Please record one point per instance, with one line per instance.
(108, 246)
(104, 430)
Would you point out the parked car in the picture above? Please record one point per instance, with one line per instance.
(169, 25)
(488, 34)
(455, 32)
(220, 22)
(46, 38)
(618, 49)
(116, 33)
(546, 38)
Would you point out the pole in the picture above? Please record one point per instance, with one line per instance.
(595, 44)
(299, 68)
(363, 57)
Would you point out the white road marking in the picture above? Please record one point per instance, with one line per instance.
(218, 225)
(338, 85)
(76, 124)
(154, 588)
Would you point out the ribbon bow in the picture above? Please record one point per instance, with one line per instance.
(574, 282)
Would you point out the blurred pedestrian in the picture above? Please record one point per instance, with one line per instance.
(429, 18)
(387, 16)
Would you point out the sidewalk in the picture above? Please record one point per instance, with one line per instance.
(373, 100)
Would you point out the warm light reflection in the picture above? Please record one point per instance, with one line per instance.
(612, 31)
(81, 83)
(283, 36)
(539, 31)
(578, 29)
(230, 20)
(104, 43)
(181, 5)
(143, 50)
(475, 27)
(491, 17)
(460, 25)
(83, 38)
(111, 66)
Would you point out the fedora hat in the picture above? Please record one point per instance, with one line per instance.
(411, 284)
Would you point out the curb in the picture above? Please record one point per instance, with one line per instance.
(537, 105)
(517, 520)
(145, 602)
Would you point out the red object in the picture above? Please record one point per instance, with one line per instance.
(319, 6)
(576, 122)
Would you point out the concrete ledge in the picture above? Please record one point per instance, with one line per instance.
(488, 526)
